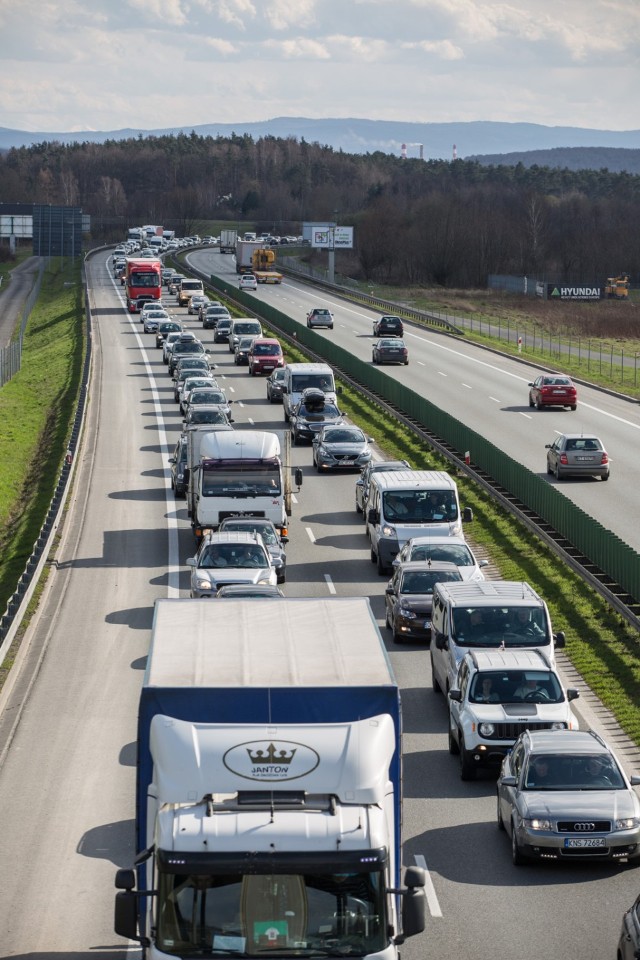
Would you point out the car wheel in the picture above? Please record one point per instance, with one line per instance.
(387, 620)
(286, 416)
(531, 403)
(294, 439)
(573, 406)
(538, 404)
(549, 469)
(396, 637)
(435, 686)
(318, 467)
(331, 327)
(517, 855)
(557, 473)
(467, 769)
(499, 819)
(406, 363)
(373, 359)
(454, 749)
(381, 567)
(358, 507)
(605, 476)
(373, 555)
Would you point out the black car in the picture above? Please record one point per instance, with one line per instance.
(274, 385)
(388, 326)
(629, 942)
(390, 350)
(241, 352)
(409, 598)
(312, 413)
(178, 463)
(223, 327)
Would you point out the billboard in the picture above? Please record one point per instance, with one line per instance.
(328, 236)
(560, 292)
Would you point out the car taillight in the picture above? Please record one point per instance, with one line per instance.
(545, 389)
(605, 458)
(563, 458)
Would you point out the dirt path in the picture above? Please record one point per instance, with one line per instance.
(13, 296)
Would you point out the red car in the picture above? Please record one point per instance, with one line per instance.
(553, 390)
(264, 356)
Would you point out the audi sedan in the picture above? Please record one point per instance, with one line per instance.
(449, 549)
(577, 455)
(307, 419)
(388, 326)
(210, 398)
(409, 598)
(562, 795)
(553, 390)
(388, 350)
(341, 448)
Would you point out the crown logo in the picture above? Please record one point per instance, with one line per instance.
(271, 755)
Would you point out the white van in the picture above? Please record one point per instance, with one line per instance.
(301, 376)
(411, 503)
(486, 615)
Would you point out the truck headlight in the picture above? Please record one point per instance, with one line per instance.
(486, 729)
(537, 823)
(388, 530)
(264, 580)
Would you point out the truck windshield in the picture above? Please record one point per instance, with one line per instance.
(149, 278)
(335, 915)
(420, 506)
(493, 626)
(252, 481)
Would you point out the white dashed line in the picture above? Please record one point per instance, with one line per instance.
(329, 583)
(310, 534)
(429, 889)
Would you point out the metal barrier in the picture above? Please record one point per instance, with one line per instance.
(11, 355)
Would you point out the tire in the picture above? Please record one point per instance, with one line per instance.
(605, 476)
(549, 470)
(381, 567)
(467, 769)
(454, 749)
(373, 555)
(406, 363)
(499, 820)
(317, 466)
(294, 439)
(387, 621)
(358, 507)
(557, 473)
(574, 407)
(373, 360)
(517, 855)
(435, 686)
(539, 404)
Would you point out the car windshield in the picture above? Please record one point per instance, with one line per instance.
(328, 412)
(343, 436)
(265, 530)
(420, 506)
(208, 416)
(493, 626)
(515, 686)
(208, 396)
(267, 350)
(422, 581)
(457, 553)
(233, 555)
(573, 772)
(302, 381)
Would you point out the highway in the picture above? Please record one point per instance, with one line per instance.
(68, 725)
(488, 392)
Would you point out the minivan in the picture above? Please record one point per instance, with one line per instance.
(301, 376)
(243, 327)
(484, 615)
(410, 503)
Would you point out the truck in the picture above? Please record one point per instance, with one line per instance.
(152, 230)
(268, 787)
(142, 281)
(241, 473)
(263, 266)
(244, 254)
(228, 241)
(617, 288)
(193, 434)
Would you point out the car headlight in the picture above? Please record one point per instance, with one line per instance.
(388, 530)
(264, 580)
(203, 583)
(627, 823)
(537, 823)
(486, 729)
(559, 725)
(406, 613)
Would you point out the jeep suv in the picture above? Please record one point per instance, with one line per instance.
(498, 695)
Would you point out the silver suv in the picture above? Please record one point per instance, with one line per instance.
(498, 695)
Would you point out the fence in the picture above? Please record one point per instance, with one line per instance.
(11, 356)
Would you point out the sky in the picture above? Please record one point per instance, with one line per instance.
(146, 64)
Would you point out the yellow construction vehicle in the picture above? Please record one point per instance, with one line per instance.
(263, 263)
(617, 288)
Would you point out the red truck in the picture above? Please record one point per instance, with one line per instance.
(143, 281)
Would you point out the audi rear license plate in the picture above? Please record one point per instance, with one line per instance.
(560, 391)
(584, 458)
(585, 842)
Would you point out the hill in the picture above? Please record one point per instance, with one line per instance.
(361, 136)
(614, 159)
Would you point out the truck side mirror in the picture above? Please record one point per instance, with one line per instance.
(559, 639)
(298, 477)
(467, 515)
(373, 516)
(125, 922)
(413, 902)
(455, 695)
(441, 641)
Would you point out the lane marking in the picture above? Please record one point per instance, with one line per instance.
(329, 582)
(310, 534)
(429, 889)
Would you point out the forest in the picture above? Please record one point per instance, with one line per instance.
(434, 222)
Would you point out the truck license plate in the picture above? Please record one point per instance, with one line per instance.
(585, 842)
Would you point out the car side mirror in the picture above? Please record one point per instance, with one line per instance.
(389, 591)
(509, 781)
(547, 446)
(572, 693)
(467, 515)
(191, 561)
(455, 695)
(634, 781)
(559, 639)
